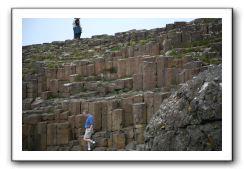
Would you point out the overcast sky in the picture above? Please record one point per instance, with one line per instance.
(42, 30)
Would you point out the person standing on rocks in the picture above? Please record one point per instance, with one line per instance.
(89, 129)
(77, 28)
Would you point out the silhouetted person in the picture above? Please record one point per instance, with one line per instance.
(77, 28)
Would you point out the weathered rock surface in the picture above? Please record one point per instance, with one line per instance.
(191, 118)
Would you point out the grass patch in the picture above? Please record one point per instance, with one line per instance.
(77, 55)
(185, 45)
(200, 43)
(115, 49)
(173, 52)
(188, 50)
(172, 30)
(143, 42)
(176, 54)
(28, 72)
(182, 52)
(204, 42)
(132, 43)
(81, 55)
(211, 60)
(28, 69)
(52, 65)
(215, 61)
(207, 42)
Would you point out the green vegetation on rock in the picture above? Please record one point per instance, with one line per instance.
(117, 48)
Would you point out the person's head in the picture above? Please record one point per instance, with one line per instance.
(85, 113)
(77, 21)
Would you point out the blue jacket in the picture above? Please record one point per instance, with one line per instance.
(89, 121)
(77, 29)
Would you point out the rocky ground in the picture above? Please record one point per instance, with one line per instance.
(122, 80)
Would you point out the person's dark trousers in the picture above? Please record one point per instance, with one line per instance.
(77, 35)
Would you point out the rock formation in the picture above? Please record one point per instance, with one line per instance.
(191, 118)
(122, 80)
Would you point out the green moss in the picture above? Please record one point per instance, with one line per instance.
(215, 61)
(28, 72)
(38, 50)
(200, 43)
(207, 42)
(203, 42)
(173, 52)
(211, 60)
(52, 65)
(36, 57)
(185, 45)
(115, 48)
(188, 50)
(132, 43)
(176, 54)
(81, 55)
(29, 69)
(172, 30)
(133, 36)
(143, 42)
(182, 52)
(77, 55)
